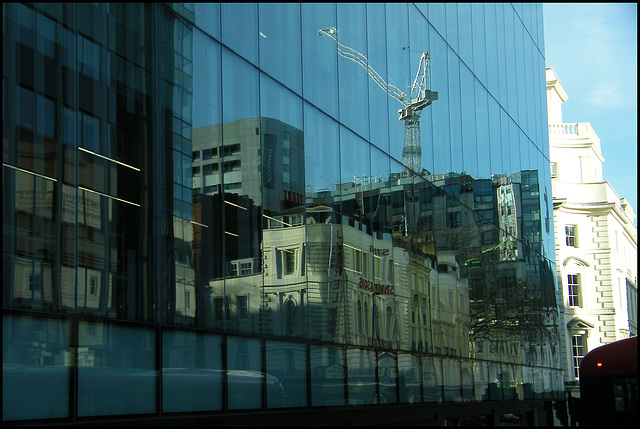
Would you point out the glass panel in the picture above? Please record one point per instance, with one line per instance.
(439, 111)
(30, 223)
(510, 96)
(521, 62)
(400, 74)
(357, 239)
(409, 378)
(527, 382)
(361, 366)
(518, 382)
(495, 381)
(451, 14)
(240, 29)
(432, 383)
(515, 148)
(327, 376)
(379, 97)
(452, 380)
(467, 381)
(501, 54)
(388, 377)
(455, 118)
(199, 241)
(483, 148)
(324, 251)
(538, 383)
(494, 146)
(481, 380)
(419, 45)
(192, 372)
(208, 18)
(116, 370)
(286, 375)
(508, 382)
(280, 45)
(36, 359)
(282, 197)
(109, 254)
(491, 52)
(465, 33)
(319, 57)
(244, 376)
(241, 198)
(479, 31)
(435, 13)
(352, 67)
(468, 119)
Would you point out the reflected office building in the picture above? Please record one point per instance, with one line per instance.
(277, 214)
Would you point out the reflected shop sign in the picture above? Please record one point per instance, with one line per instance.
(269, 157)
(383, 344)
(378, 288)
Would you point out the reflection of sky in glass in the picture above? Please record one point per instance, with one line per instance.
(206, 81)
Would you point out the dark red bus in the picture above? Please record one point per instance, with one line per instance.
(609, 385)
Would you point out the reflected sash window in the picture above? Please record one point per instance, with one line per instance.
(570, 234)
(579, 351)
(573, 285)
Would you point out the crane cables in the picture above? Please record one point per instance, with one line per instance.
(357, 57)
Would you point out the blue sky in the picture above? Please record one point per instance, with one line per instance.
(593, 49)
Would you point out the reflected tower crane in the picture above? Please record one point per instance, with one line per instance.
(420, 96)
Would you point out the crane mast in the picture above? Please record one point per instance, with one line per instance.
(420, 96)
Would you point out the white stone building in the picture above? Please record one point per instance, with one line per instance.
(596, 240)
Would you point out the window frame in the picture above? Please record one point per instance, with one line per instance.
(574, 295)
(576, 356)
(571, 235)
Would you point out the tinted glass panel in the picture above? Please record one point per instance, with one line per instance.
(327, 376)
(192, 373)
(36, 359)
(116, 370)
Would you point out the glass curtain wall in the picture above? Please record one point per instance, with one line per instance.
(230, 193)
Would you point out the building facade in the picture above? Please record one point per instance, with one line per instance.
(243, 213)
(596, 241)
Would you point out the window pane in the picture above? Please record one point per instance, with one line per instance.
(400, 74)
(116, 370)
(192, 372)
(361, 365)
(286, 375)
(320, 57)
(388, 377)
(379, 98)
(208, 18)
(327, 376)
(352, 63)
(409, 378)
(240, 29)
(481, 381)
(452, 380)
(36, 359)
(280, 45)
(432, 379)
(467, 381)
(244, 375)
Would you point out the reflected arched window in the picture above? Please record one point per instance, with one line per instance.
(289, 317)
(389, 323)
(359, 317)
